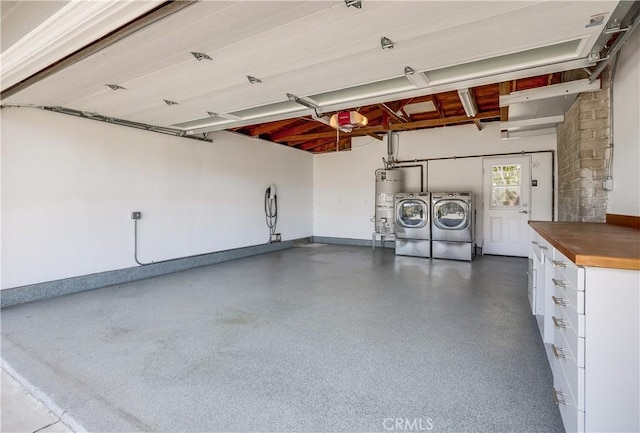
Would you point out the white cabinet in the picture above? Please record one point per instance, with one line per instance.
(591, 328)
(540, 291)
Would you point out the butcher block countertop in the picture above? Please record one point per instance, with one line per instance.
(593, 244)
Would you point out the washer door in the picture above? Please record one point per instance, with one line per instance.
(451, 214)
(412, 214)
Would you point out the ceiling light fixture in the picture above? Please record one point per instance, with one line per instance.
(418, 79)
(200, 56)
(468, 103)
(115, 87)
(253, 80)
(168, 102)
(355, 3)
(348, 119)
(386, 43)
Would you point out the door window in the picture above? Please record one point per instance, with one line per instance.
(412, 214)
(506, 184)
(451, 214)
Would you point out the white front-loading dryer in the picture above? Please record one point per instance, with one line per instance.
(452, 225)
(412, 215)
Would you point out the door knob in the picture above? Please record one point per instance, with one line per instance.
(523, 211)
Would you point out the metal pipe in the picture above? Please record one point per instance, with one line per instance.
(611, 133)
(553, 185)
(488, 155)
(135, 250)
(426, 169)
(390, 159)
(135, 244)
(421, 167)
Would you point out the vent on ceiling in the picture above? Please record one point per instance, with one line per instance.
(253, 80)
(200, 56)
(168, 102)
(115, 87)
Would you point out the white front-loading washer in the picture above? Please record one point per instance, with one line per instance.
(412, 212)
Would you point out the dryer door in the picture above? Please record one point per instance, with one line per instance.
(451, 214)
(412, 214)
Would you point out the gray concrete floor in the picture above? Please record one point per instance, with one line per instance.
(20, 411)
(319, 338)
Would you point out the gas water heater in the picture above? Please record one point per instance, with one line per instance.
(388, 183)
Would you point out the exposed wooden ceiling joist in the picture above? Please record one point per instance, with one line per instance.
(399, 126)
(392, 113)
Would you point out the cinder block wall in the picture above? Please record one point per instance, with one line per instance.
(584, 157)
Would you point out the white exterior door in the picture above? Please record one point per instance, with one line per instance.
(506, 193)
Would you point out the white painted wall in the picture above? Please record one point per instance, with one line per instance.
(69, 185)
(625, 197)
(344, 183)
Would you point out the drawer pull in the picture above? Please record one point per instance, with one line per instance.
(558, 283)
(557, 352)
(557, 396)
(559, 301)
(534, 242)
(559, 263)
(542, 247)
(558, 323)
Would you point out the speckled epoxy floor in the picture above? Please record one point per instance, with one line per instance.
(326, 338)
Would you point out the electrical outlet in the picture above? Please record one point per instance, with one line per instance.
(275, 237)
(136, 215)
(607, 185)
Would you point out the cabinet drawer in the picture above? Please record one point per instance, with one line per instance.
(572, 379)
(539, 246)
(567, 343)
(545, 248)
(572, 417)
(535, 248)
(566, 270)
(568, 304)
(534, 240)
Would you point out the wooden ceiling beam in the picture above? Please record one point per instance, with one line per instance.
(268, 127)
(385, 121)
(392, 113)
(331, 146)
(400, 126)
(404, 104)
(437, 105)
(307, 125)
(504, 89)
(376, 136)
(310, 145)
(324, 143)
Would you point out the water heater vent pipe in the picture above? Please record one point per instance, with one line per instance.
(391, 160)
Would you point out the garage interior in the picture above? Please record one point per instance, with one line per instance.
(189, 197)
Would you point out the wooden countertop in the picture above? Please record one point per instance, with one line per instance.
(593, 244)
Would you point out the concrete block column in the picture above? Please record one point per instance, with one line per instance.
(584, 156)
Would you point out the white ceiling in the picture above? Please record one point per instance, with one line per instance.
(309, 48)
